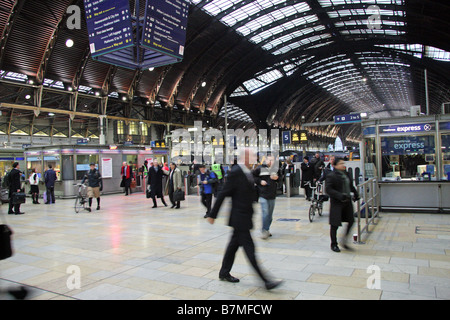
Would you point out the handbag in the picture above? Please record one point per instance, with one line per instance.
(178, 195)
(19, 197)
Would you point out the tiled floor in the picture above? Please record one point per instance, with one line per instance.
(130, 251)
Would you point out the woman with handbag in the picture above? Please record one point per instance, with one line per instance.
(175, 186)
(34, 186)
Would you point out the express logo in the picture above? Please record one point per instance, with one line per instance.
(427, 127)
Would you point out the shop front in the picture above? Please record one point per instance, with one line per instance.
(72, 162)
(411, 159)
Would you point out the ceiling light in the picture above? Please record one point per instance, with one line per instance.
(28, 97)
(69, 43)
(51, 114)
(204, 84)
(151, 69)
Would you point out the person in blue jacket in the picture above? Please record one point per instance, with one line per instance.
(207, 183)
(50, 178)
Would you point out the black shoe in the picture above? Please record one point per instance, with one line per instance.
(229, 278)
(98, 207)
(271, 284)
(155, 207)
(177, 207)
(205, 216)
(19, 294)
(19, 212)
(11, 212)
(89, 209)
(47, 203)
(335, 249)
(172, 206)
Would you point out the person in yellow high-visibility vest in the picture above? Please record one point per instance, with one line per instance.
(220, 173)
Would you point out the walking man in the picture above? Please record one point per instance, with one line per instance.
(338, 187)
(14, 186)
(95, 185)
(155, 175)
(126, 172)
(240, 186)
(207, 181)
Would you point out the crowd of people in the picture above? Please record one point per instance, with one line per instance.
(244, 183)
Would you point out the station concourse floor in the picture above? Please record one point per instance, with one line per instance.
(129, 251)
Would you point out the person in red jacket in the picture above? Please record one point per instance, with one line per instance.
(126, 173)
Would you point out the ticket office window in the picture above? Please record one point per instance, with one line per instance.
(83, 164)
(35, 163)
(445, 147)
(55, 162)
(408, 157)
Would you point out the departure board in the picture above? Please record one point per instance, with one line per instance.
(165, 26)
(109, 25)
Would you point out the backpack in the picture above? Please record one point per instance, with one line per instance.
(6, 181)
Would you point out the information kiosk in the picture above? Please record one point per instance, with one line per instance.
(410, 156)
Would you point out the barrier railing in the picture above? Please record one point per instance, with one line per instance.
(370, 197)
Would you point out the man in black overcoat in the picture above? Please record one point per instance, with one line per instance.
(240, 186)
(339, 187)
(155, 177)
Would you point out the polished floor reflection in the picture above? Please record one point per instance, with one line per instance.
(128, 250)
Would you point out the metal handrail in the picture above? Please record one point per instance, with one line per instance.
(370, 205)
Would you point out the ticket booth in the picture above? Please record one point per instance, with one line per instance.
(411, 159)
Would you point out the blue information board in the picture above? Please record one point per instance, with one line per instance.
(165, 26)
(347, 118)
(109, 25)
(120, 37)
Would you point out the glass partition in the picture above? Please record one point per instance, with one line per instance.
(370, 158)
(35, 163)
(408, 157)
(83, 162)
(445, 147)
(68, 167)
(53, 160)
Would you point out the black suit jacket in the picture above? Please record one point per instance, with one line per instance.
(241, 188)
(14, 180)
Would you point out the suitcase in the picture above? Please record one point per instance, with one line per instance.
(4, 195)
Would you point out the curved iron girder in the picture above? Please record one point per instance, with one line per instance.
(15, 11)
(40, 74)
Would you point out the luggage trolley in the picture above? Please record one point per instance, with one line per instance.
(317, 200)
(81, 201)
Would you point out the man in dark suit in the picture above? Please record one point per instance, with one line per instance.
(240, 186)
(307, 177)
(14, 186)
(338, 187)
(50, 178)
